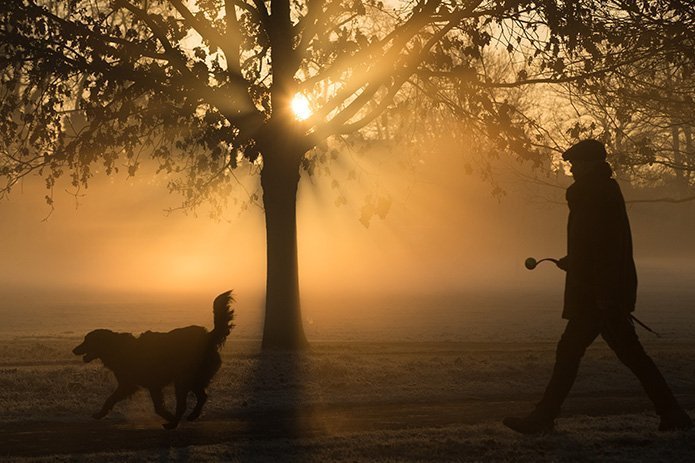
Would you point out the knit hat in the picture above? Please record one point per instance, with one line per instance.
(586, 150)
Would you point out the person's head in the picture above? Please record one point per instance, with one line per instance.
(585, 157)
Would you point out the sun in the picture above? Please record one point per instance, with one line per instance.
(300, 107)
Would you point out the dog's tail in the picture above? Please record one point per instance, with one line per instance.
(224, 315)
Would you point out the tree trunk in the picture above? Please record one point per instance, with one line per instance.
(283, 328)
(681, 179)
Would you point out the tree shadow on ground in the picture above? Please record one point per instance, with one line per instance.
(278, 408)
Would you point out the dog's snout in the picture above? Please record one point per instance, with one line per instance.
(78, 350)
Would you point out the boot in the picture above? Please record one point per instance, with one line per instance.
(534, 423)
(675, 420)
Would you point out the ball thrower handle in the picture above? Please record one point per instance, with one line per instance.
(531, 263)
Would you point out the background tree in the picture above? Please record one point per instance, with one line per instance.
(203, 86)
(643, 109)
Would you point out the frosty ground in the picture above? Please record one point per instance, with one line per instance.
(389, 380)
(344, 401)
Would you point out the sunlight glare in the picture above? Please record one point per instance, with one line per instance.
(300, 107)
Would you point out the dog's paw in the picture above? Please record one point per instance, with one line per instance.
(170, 425)
(99, 415)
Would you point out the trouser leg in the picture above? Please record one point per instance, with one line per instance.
(578, 335)
(619, 333)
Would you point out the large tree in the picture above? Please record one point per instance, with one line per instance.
(202, 86)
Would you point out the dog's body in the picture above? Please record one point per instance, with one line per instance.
(187, 357)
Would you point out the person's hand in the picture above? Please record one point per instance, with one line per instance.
(562, 263)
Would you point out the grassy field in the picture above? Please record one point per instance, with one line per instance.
(344, 401)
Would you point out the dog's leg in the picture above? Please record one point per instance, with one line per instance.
(158, 401)
(201, 398)
(121, 392)
(181, 395)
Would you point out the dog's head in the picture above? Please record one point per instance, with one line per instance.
(97, 344)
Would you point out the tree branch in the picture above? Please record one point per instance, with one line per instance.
(263, 12)
(175, 56)
(307, 23)
(135, 48)
(378, 72)
(245, 118)
(233, 35)
(282, 56)
(377, 78)
(208, 33)
(400, 34)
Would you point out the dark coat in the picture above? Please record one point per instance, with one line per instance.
(601, 276)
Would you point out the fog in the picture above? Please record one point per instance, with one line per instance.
(445, 242)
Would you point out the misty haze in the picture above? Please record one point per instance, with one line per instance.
(445, 263)
(347, 231)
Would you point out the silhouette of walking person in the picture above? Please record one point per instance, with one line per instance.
(600, 293)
